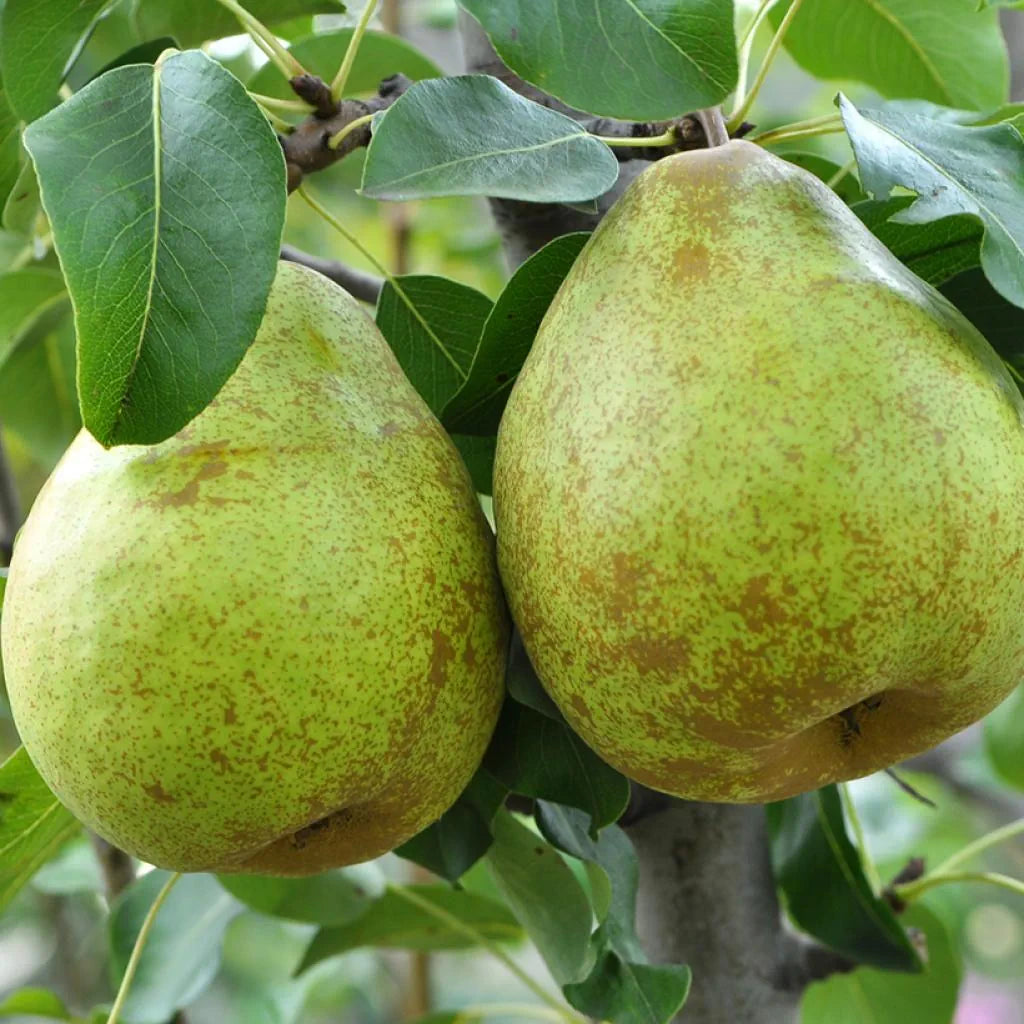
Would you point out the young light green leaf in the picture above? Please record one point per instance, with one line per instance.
(35, 1003)
(545, 897)
(329, 898)
(380, 55)
(33, 824)
(903, 48)
(939, 162)
(638, 60)
(536, 756)
(167, 224)
(936, 251)
(826, 893)
(37, 43)
(182, 953)
(392, 922)
(434, 341)
(25, 297)
(477, 406)
(1004, 738)
(476, 137)
(872, 996)
(192, 22)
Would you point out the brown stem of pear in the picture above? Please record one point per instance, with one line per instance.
(713, 123)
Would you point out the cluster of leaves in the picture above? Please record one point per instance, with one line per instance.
(167, 222)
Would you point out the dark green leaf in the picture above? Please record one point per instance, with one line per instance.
(478, 455)
(536, 756)
(192, 22)
(168, 231)
(393, 922)
(826, 893)
(477, 406)
(433, 341)
(330, 898)
(476, 137)
(846, 185)
(1000, 322)
(522, 682)
(872, 996)
(35, 1003)
(902, 48)
(25, 297)
(940, 163)
(1004, 738)
(37, 389)
(545, 896)
(182, 953)
(144, 53)
(935, 251)
(33, 824)
(453, 844)
(634, 59)
(631, 993)
(37, 44)
(10, 145)
(380, 56)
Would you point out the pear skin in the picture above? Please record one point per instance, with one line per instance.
(274, 642)
(759, 492)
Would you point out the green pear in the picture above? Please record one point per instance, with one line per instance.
(758, 492)
(274, 642)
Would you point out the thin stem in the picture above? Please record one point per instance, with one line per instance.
(713, 123)
(385, 273)
(299, 106)
(665, 139)
(741, 111)
(842, 172)
(985, 842)
(338, 83)
(798, 131)
(746, 45)
(869, 866)
(451, 921)
(283, 60)
(276, 122)
(338, 137)
(911, 890)
(140, 945)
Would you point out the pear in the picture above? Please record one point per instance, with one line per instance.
(758, 492)
(273, 643)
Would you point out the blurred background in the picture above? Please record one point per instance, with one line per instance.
(54, 935)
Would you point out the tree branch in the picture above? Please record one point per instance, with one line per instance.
(10, 508)
(361, 285)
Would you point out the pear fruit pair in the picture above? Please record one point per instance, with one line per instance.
(759, 492)
(274, 642)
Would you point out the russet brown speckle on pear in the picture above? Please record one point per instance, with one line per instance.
(276, 641)
(759, 492)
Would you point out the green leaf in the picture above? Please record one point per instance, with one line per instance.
(37, 389)
(872, 996)
(329, 898)
(545, 897)
(903, 48)
(394, 923)
(10, 145)
(167, 225)
(145, 53)
(537, 756)
(523, 684)
(74, 869)
(434, 342)
(634, 59)
(478, 455)
(826, 893)
(631, 993)
(33, 824)
(1004, 738)
(507, 336)
(847, 187)
(940, 163)
(182, 954)
(37, 44)
(936, 251)
(25, 297)
(192, 22)
(22, 206)
(476, 137)
(462, 835)
(380, 56)
(34, 1002)
(1001, 322)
